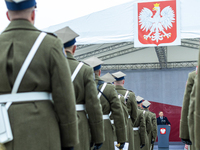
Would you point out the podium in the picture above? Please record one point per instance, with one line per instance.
(163, 137)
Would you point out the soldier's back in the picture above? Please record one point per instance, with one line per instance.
(139, 130)
(35, 124)
(91, 128)
(184, 129)
(191, 115)
(110, 102)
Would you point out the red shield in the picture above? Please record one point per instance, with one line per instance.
(162, 130)
(157, 22)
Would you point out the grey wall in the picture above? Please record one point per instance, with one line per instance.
(163, 86)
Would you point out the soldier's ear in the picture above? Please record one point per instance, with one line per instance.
(74, 49)
(7, 14)
(33, 16)
(99, 72)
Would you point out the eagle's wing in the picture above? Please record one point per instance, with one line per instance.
(145, 19)
(168, 17)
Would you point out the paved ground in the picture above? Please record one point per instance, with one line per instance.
(172, 146)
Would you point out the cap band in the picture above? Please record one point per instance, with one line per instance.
(70, 43)
(20, 6)
(119, 79)
(145, 106)
(139, 102)
(97, 67)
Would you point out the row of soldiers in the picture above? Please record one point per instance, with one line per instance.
(54, 102)
(190, 115)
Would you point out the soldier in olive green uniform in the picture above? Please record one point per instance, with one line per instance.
(139, 128)
(37, 125)
(148, 126)
(153, 133)
(110, 103)
(184, 129)
(191, 116)
(86, 95)
(109, 78)
(131, 105)
(197, 110)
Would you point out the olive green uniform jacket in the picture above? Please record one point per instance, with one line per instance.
(132, 110)
(139, 135)
(153, 133)
(191, 116)
(38, 125)
(125, 111)
(184, 129)
(197, 110)
(154, 127)
(113, 105)
(86, 93)
(148, 129)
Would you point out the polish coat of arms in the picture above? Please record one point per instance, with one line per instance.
(157, 22)
(162, 130)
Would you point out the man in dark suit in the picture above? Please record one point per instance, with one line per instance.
(161, 120)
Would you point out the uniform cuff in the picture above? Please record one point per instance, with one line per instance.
(121, 135)
(69, 134)
(184, 132)
(97, 132)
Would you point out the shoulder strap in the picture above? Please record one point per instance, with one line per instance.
(144, 112)
(78, 68)
(102, 89)
(126, 94)
(26, 65)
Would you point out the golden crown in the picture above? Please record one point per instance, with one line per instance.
(156, 5)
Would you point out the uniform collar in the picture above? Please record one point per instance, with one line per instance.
(119, 87)
(20, 24)
(70, 56)
(139, 108)
(97, 78)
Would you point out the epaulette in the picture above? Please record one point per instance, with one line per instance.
(51, 33)
(85, 63)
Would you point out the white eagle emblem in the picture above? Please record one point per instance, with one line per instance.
(156, 24)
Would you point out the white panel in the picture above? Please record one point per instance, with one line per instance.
(147, 55)
(180, 53)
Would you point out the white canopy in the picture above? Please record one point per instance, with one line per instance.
(109, 35)
(116, 24)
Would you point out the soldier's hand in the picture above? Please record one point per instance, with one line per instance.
(91, 144)
(141, 146)
(97, 146)
(120, 145)
(186, 141)
(67, 148)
